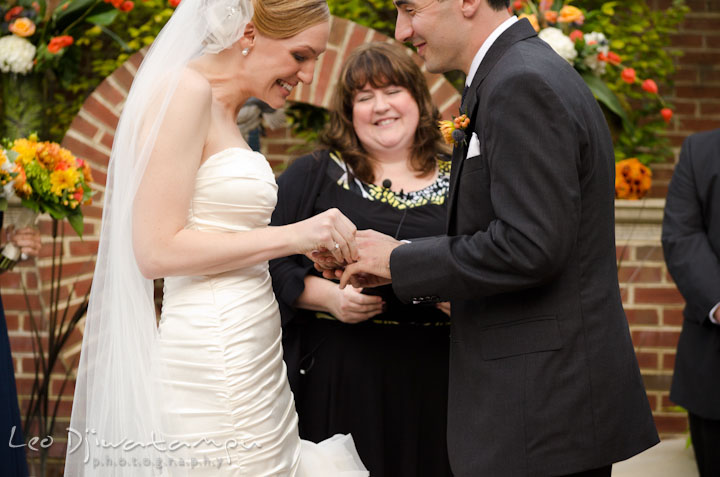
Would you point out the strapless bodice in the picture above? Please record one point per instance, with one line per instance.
(235, 190)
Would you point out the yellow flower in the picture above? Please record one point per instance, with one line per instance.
(26, 150)
(533, 20)
(570, 14)
(23, 27)
(63, 180)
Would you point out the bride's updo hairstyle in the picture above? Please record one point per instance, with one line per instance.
(280, 19)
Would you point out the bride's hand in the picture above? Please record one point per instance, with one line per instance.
(330, 231)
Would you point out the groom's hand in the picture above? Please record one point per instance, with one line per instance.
(373, 265)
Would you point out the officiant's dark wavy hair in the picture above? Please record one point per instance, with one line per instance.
(379, 65)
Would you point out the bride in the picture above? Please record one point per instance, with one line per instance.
(204, 392)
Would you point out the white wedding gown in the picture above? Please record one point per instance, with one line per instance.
(221, 352)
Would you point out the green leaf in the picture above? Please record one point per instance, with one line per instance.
(103, 19)
(603, 94)
(76, 222)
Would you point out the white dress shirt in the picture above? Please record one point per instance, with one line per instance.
(486, 46)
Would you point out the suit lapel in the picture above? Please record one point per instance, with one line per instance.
(521, 30)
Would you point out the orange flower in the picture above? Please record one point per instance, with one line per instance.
(22, 188)
(628, 75)
(13, 12)
(518, 4)
(667, 114)
(570, 14)
(632, 179)
(127, 6)
(174, 3)
(57, 43)
(551, 16)
(650, 86)
(576, 35)
(613, 58)
(23, 27)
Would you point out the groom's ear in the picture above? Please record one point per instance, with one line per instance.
(470, 8)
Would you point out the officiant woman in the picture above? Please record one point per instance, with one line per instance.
(359, 361)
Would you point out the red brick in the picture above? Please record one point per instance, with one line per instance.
(84, 127)
(653, 400)
(10, 280)
(658, 296)
(12, 321)
(107, 141)
(100, 112)
(632, 274)
(648, 360)
(123, 77)
(712, 41)
(642, 316)
(668, 405)
(652, 254)
(707, 108)
(89, 247)
(687, 40)
(337, 31)
(357, 38)
(17, 301)
(698, 91)
(56, 385)
(623, 252)
(655, 338)
(324, 74)
(451, 110)
(687, 108)
(82, 287)
(699, 124)
(137, 58)
(671, 424)
(708, 75)
(109, 93)
(668, 361)
(445, 93)
(69, 269)
(699, 22)
(672, 317)
(83, 150)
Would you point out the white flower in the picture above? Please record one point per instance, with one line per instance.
(559, 42)
(601, 45)
(16, 55)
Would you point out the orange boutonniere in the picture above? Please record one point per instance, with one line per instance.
(454, 131)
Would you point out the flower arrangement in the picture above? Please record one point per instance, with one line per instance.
(47, 178)
(632, 179)
(453, 131)
(561, 26)
(36, 37)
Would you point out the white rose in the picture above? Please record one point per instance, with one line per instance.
(559, 42)
(16, 55)
(602, 46)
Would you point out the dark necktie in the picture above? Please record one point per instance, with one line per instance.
(462, 101)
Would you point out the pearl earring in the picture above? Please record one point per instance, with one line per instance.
(245, 51)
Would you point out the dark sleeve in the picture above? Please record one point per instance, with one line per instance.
(535, 195)
(298, 187)
(689, 256)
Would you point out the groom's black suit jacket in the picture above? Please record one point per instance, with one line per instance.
(543, 375)
(691, 241)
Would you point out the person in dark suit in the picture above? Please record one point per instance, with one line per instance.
(691, 242)
(543, 376)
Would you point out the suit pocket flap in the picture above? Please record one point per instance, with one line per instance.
(529, 336)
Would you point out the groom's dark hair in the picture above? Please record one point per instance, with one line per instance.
(498, 4)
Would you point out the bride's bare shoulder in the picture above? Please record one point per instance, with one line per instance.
(193, 86)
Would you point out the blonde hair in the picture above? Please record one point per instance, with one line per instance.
(280, 19)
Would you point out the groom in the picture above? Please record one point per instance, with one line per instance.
(543, 379)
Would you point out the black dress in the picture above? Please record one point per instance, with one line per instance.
(12, 459)
(383, 380)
